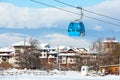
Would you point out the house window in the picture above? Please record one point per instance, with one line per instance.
(44, 54)
(116, 69)
(63, 60)
(108, 45)
(73, 60)
(44, 50)
(40, 54)
(76, 60)
(53, 49)
(17, 51)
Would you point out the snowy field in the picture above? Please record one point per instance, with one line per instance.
(69, 75)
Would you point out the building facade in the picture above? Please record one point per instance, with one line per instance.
(109, 45)
(6, 54)
(50, 57)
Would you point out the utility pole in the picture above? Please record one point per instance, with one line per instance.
(119, 65)
(58, 59)
(26, 65)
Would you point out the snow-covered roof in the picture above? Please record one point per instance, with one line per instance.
(60, 47)
(22, 43)
(81, 50)
(5, 54)
(69, 47)
(53, 52)
(92, 52)
(110, 41)
(63, 47)
(6, 49)
(43, 45)
(67, 54)
(110, 65)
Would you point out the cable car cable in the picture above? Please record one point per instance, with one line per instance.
(54, 7)
(74, 12)
(87, 10)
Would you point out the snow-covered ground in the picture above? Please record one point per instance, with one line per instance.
(68, 75)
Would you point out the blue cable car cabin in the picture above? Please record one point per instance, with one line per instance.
(76, 29)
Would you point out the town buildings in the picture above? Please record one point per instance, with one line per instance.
(60, 57)
(64, 56)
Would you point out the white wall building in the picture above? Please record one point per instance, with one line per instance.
(6, 54)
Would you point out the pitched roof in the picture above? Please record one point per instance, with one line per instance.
(22, 43)
(92, 52)
(110, 41)
(43, 45)
(82, 50)
(68, 54)
(5, 54)
(6, 49)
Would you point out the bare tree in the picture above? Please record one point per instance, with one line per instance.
(79, 62)
(98, 47)
(29, 57)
